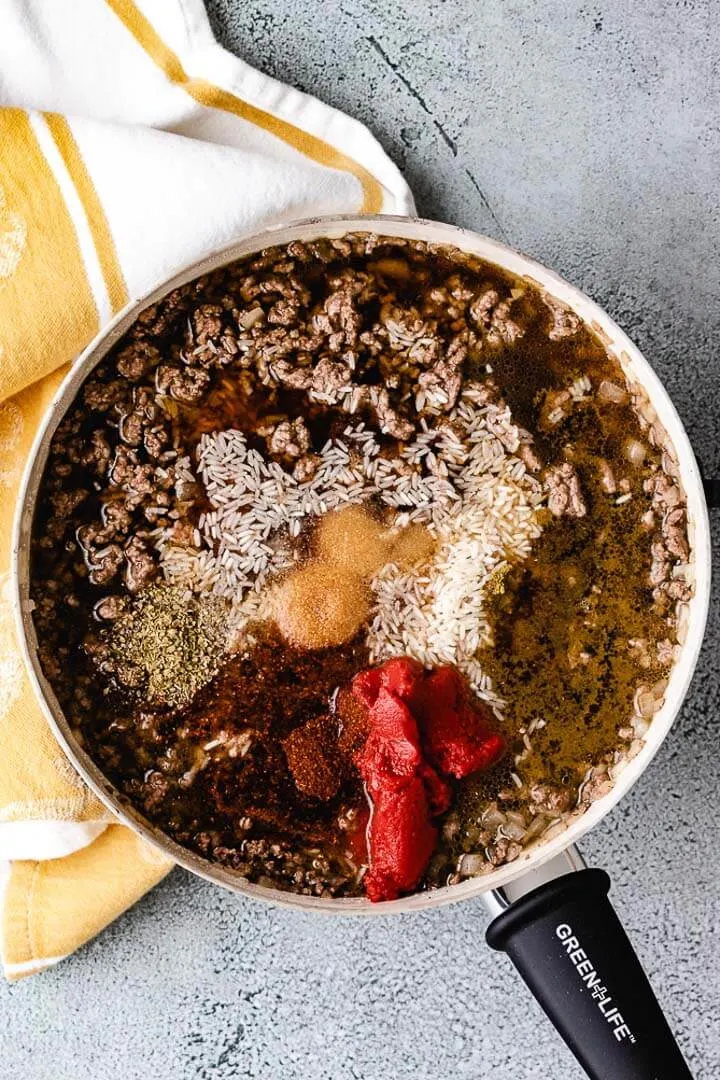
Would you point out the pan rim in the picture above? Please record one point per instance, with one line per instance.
(505, 256)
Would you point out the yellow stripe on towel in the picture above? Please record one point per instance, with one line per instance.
(47, 310)
(97, 221)
(215, 98)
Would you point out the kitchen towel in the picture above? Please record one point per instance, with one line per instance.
(131, 144)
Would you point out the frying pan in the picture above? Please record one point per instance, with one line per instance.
(551, 914)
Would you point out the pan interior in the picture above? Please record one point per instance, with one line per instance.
(636, 369)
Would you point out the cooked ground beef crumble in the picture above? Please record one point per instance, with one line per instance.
(253, 767)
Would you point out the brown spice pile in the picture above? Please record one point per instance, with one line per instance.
(312, 755)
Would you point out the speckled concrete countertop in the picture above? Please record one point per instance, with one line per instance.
(588, 136)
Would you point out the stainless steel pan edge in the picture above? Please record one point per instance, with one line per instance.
(635, 366)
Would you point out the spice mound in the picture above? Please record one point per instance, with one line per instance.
(421, 725)
(165, 644)
(319, 606)
(327, 600)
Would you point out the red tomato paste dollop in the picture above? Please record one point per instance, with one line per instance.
(421, 724)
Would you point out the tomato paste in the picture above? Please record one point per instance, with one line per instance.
(420, 725)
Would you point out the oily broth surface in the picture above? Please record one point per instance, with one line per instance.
(548, 612)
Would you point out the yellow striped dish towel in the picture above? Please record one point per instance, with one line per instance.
(131, 144)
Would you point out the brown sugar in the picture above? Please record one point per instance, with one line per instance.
(320, 605)
(353, 538)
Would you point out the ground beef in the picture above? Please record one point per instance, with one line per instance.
(563, 489)
(389, 420)
(93, 536)
(565, 323)
(141, 565)
(674, 531)
(110, 608)
(441, 383)
(306, 467)
(64, 503)
(105, 564)
(660, 567)
(665, 493)
(187, 384)
(136, 360)
(117, 518)
(340, 320)
(552, 800)
(156, 787)
(131, 428)
(288, 440)
(155, 440)
(210, 339)
(330, 380)
(160, 319)
(96, 457)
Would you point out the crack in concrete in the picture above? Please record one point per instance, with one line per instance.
(450, 142)
(395, 68)
(488, 207)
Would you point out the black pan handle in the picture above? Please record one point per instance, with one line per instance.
(570, 948)
(711, 485)
(712, 492)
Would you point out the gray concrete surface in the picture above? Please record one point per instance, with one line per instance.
(587, 134)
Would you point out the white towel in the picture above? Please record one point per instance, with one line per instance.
(131, 144)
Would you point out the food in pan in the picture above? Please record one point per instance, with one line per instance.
(359, 566)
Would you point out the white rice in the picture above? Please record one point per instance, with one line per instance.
(439, 616)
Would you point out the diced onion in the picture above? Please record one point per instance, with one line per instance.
(247, 319)
(609, 391)
(492, 817)
(645, 702)
(472, 864)
(536, 826)
(607, 478)
(635, 451)
(512, 831)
